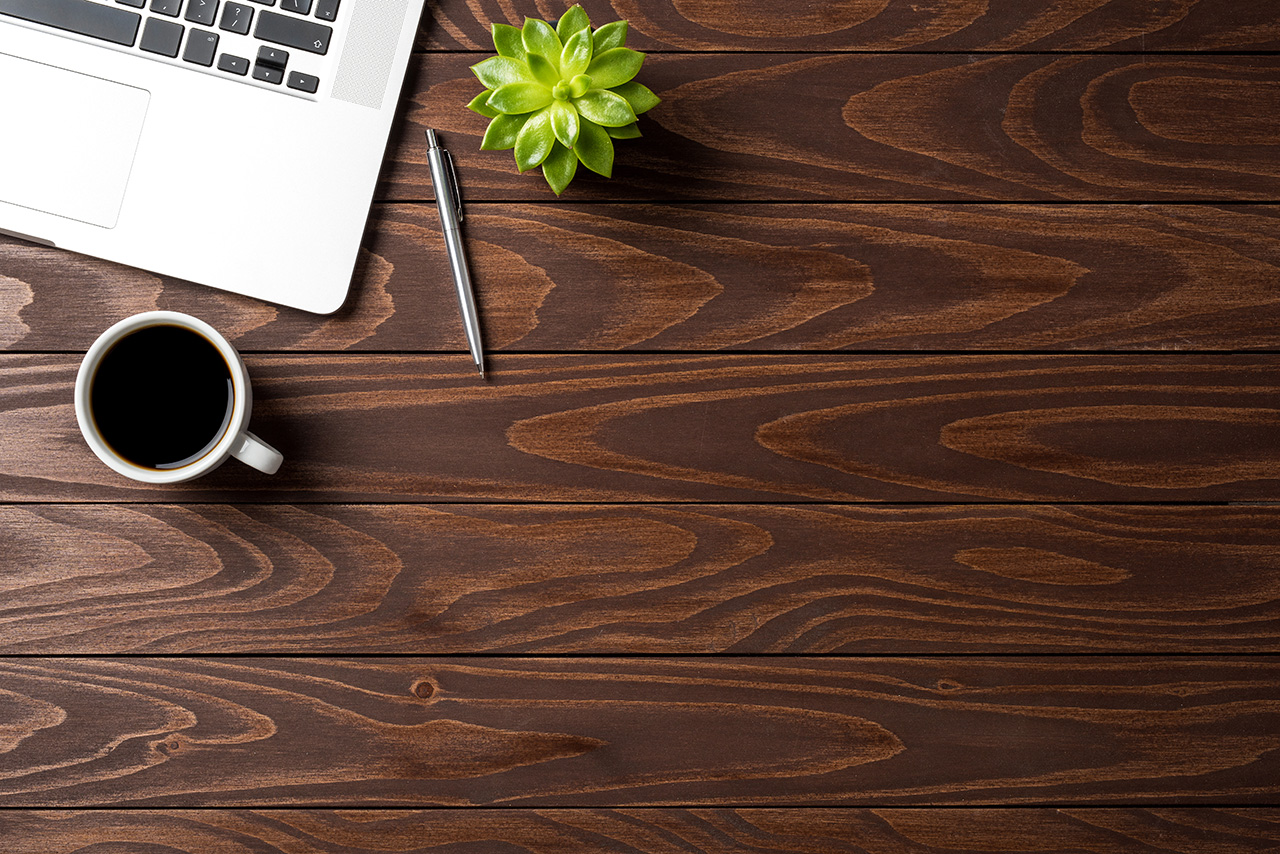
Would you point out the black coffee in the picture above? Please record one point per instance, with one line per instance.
(162, 397)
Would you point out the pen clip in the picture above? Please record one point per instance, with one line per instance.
(453, 182)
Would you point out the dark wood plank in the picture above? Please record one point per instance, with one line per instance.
(708, 277)
(640, 579)
(710, 428)
(803, 830)
(639, 732)
(931, 127)
(957, 25)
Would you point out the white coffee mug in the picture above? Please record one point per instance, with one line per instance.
(234, 439)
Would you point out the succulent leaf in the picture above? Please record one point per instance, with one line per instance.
(638, 96)
(599, 105)
(630, 131)
(534, 141)
(522, 98)
(610, 36)
(564, 121)
(559, 167)
(573, 21)
(508, 41)
(480, 104)
(502, 132)
(595, 149)
(538, 37)
(614, 67)
(576, 55)
(579, 85)
(497, 71)
(543, 71)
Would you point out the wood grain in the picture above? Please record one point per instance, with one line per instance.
(716, 428)
(877, 25)
(928, 127)
(639, 732)
(641, 831)
(637, 579)
(986, 175)
(602, 277)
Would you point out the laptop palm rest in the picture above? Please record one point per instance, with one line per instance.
(68, 142)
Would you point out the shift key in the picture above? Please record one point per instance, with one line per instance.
(78, 16)
(292, 31)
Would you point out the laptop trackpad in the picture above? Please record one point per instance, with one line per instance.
(68, 140)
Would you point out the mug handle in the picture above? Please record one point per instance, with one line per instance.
(251, 450)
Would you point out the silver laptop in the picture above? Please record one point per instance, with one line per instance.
(234, 144)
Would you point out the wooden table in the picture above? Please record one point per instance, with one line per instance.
(895, 432)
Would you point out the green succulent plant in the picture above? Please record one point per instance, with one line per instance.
(560, 96)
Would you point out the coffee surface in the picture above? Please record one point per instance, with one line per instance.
(162, 397)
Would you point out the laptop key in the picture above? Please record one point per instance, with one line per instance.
(137, 4)
(167, 7)
(290, 31)
(201, 46)
(162, 37)
(233, 64)
(302, 7)
(327, 10)
(303, 82)
(273, 56)
(119, 26)
(236, 18)
(267, 73)
(202, 12)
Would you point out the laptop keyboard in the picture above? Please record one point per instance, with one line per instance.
(258, 40)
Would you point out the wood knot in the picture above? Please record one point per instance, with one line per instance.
(424, 689)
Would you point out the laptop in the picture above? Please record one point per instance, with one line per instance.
(234, 143)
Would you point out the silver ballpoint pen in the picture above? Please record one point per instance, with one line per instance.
(449, 203)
